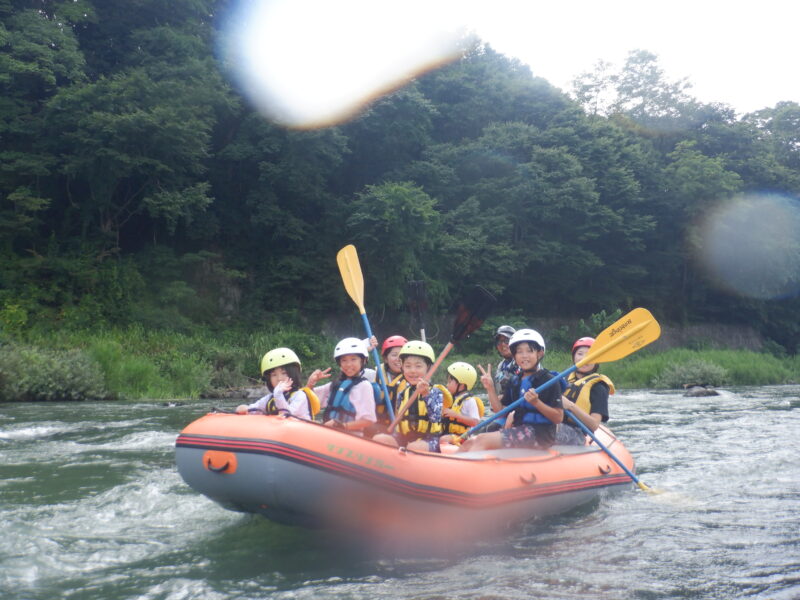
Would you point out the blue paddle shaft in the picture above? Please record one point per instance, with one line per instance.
(377, 358)
(588, 432)
(516, 403)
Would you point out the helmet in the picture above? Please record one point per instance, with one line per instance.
(505, 331)
(350, 345)
(394, 341)
(526, 335)
(417, 348)
(279, 357)
(584, 342)
(463, 373)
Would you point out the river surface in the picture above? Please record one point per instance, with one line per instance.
(92, 507)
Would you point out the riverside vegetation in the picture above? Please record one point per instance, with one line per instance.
(133, 363)
(155, 228)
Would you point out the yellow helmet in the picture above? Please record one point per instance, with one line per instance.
(279, 357)
(463, 373)
(417, 348)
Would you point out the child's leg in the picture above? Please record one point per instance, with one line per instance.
(385, 438)
(484, 441)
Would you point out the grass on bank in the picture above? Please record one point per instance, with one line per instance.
(135, 363)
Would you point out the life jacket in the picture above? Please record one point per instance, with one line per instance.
(562, 383)
(380, 406)
(524, 413)
(451, 425)
(415, 418)
(396, 388)
(505, 371)
(339, 406)
(311, 398)
(580, 389)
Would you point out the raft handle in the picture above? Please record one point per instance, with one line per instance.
(211, 467)
(605, 471)
(528, 480)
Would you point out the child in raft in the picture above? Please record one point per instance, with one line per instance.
(419, 428)
(586, 397)
(348, 401)
(534, 421)
(462, 409)
(392, 369)
(280, 370)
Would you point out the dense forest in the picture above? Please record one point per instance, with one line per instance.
(138, 186)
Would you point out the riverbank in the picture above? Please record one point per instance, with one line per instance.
(134, 363)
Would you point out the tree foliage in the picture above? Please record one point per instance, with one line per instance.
(137, 185)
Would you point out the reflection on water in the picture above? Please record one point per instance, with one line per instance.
(92, 507)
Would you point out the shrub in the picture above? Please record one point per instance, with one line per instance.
(29, 373)
(693, 371)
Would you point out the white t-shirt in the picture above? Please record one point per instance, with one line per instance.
(360, 396)
(469, 408)
(297, 405)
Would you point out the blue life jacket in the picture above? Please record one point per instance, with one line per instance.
(561, 381)
(525, 413)
(339, 406)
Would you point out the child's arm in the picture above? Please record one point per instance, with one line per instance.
(591, 421)
(469, 414)
(553, 413)
(298, 405)
(363, 401)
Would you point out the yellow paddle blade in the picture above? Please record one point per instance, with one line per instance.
(632, 332)
(350, 269)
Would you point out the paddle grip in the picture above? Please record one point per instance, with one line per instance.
(516, 403)
(377, 358)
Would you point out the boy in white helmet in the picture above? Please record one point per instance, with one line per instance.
(534, 421)
(349, 401)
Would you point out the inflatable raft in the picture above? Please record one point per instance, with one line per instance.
(302, 473)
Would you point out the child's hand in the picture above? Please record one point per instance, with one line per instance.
(283, 385)
(423, 387)
(486, 377)
(531, 397)
(449, 413)
(316, 376)
(372, 343)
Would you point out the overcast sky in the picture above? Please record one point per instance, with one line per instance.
(744, 54)
(316, 62)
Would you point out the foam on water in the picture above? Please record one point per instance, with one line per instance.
(111, 519)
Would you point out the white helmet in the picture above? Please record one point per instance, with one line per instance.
(526, 335)
(350, 346)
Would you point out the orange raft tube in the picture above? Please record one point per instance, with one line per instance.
(302, 473)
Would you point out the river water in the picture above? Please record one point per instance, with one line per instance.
(92, 507)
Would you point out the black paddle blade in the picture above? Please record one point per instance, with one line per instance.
(416, 297)
(471, 312)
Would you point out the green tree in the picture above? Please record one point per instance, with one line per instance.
(395, 227)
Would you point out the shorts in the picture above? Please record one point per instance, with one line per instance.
(569, 436)
(521, 436)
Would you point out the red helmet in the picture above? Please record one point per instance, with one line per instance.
(393, 341)
(584, 342)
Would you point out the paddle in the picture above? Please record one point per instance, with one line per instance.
(353, 280)
(613, 457)
(627, 335)
(417, 303)
(470, 314)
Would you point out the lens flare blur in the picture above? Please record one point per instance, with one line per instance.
(312, 63)
(750, 246)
